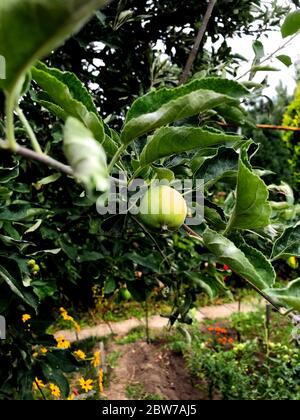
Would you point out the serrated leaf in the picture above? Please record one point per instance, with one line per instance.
(228, 253)
(77, 89)
(68, 97)
(168, 141)
(17, 287)
(288, 244)
(86, 156)
(156, 98)
(285, 59)
(262, 265)
(291, 24)
(288, 297)
(30, 29)
(164, 106)
(252, 209)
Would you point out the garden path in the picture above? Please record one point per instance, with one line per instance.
(155, 322)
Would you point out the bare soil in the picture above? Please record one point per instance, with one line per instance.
(159, 370)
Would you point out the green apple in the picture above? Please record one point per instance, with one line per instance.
(163, 208)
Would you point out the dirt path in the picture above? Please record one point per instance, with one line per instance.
(155, 322)
(156, 371)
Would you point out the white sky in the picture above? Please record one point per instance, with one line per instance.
(286, 75)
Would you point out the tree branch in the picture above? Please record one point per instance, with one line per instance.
(47, 160)
(43, 158)
(193, 54)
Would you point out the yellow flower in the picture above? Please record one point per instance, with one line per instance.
(80, 354)
(86, 384)
(293, 262)
(96, 359)
(77, 326)
(62, 343)
(55, 391)
(43, 350)
(71, 397)
(100, 380)
(38, 383)
(26, 317)
(35, 354)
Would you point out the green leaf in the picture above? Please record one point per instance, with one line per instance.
(66, 96)
(288, 244)
(34, 227)
(53, 108)
(262, 265)
(17, 287)
(164, 106)
(223, 164)
(213, 218)
(86, 156)
(7, 174)
(47, 180)
(291, 25)
(263, 68)
(168, 141)
(285, 59)
(156, 98)
(258, 49)
(151, 263)
(228, 253)
(21, 212)
(252, 209)
(31, 29)
(233, 115)
(163, 173)
(288, 297)
(76, 88)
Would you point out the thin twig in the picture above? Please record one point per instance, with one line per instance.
(165, 257)
(46, 160)
(266, 127)
(34, 142)
(268, 57)
(43, 158)
(192, 233)
(198, 40)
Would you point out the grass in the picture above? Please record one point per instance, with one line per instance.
(133, 336)
(138, 392)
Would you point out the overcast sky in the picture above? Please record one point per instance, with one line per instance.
(243, 46)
